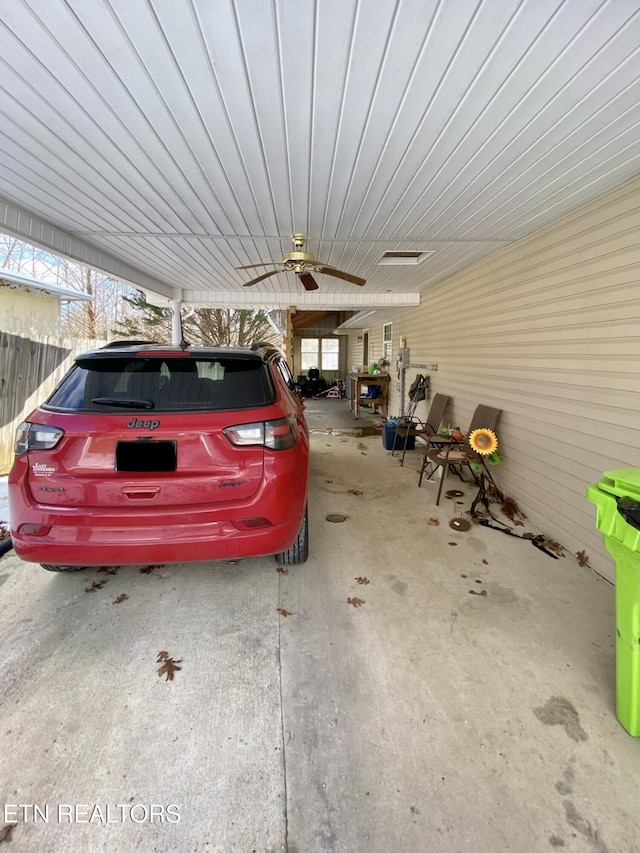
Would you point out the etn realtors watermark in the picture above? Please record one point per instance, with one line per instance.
(90, 813)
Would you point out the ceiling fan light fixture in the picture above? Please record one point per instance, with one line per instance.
(302, 264)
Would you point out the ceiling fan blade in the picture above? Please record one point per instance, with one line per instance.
(354, 279)
(308, 281)
(260, 277)
(251, 266)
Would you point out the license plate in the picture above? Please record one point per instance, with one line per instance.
(146, 455)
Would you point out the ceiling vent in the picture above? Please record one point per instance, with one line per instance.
(404, 258)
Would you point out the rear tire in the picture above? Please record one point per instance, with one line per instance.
(299, 551)
(52, 568)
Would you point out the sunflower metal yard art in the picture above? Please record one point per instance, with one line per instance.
(483, 441)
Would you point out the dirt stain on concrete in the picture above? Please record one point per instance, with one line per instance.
(565, 787)
(558, 711)
(583, 826)
(502, 594)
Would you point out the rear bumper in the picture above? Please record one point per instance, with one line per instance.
(96, 536)
(165, 542)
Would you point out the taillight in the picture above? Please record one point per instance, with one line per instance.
(36, 437)
(245, 434)
(280, 435)
(276, 435)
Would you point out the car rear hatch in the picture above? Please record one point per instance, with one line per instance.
(117, 461)
(157, 439)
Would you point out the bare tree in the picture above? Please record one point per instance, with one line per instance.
(10, 252)
(212, 326)
(78, 319)
(118, 308)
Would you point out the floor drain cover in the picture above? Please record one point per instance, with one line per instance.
(460, 524)
(336, 517)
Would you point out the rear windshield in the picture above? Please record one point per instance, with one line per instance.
(164, 384)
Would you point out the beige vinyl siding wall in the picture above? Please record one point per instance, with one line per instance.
(25, 313)
(355, 346)
(548, 331)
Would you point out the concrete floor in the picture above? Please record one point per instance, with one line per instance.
(467, 705)
(324, 415)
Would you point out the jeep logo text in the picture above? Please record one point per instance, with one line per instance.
(135, 423)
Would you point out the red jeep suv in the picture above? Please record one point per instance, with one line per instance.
(159, 454)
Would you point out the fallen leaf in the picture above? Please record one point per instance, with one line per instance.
(486, 562)
(146, 570)
(583, 560)
(121, 598)
(362, 580)
(94, 586)
(282, 571)
(328, 481)
(355, 602)
(107, 570)
(518, 523)
(162, 656)
(284, 612)
(473, 592)
(355, 492)
(169, 667)
(5, 832)
(434, 522)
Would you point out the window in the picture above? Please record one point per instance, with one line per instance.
(323, 353)
(112, 385)
(309, 353)
(285, 372)
(330, 354)
(387, 335)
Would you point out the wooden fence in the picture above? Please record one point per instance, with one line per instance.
(30, 368)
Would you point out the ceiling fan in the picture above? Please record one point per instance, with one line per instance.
(302, 264)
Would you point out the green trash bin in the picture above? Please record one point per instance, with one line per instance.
(616, 495)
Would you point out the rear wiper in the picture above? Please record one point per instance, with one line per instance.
(124, 402)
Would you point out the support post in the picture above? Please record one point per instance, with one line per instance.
(288, 341)
(176, 324)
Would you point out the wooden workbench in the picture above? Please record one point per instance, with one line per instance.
(358, 381)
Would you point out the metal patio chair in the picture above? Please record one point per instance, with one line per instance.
(419, 429)
(447, 452)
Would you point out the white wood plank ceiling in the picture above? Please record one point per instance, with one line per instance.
(170, 141)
